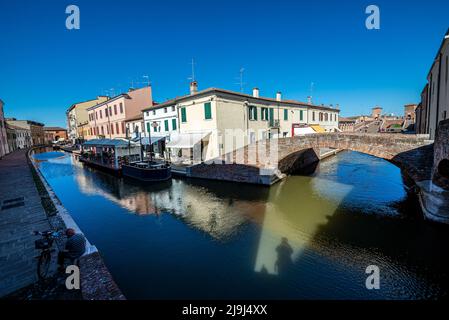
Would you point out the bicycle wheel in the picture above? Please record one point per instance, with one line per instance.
(43, 266)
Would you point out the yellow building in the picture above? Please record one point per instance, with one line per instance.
(78, 121)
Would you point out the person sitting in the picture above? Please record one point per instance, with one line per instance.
(74, 247)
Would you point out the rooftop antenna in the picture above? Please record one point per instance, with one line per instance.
(241, 83)
(310, 97)
(192, 78)
(148, 80)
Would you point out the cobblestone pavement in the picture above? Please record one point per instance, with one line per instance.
(21, 213)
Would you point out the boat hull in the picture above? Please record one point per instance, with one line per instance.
(146, 174)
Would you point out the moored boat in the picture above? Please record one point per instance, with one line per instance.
(147, 171)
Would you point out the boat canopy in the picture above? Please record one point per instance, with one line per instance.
(116, 143)
(187, 140)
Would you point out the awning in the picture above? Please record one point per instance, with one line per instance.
(116, 143)
(303, 131)
(146, 141)
(318, 129)
(186, 140)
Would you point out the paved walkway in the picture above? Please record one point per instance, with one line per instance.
(18, 219)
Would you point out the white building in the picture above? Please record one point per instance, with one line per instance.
(161, 120)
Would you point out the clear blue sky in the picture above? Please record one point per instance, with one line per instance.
(283, 45)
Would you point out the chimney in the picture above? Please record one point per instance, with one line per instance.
(256, 92)
(278, 96)
(193, 87)
(309, 99)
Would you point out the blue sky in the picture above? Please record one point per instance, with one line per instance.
(283, 45)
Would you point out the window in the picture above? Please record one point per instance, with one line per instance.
(264, 115)
(173, 124)
(155, 128)
(115, 109)
(96, 115)
(117, 128)
(123, 127)
(271, 117)
(101, 115)
(147, 113)
(252, 113)
(165, 110)
(447, 68)
(285, 114)
(173, 108)
(106, 112)
(154, 112)
(313, 116)
(102, 130)
(207, 111)
(166, 125)
(301, 115)
(112, 128)
(148, 127)
(183, 114)
(110, 111)
(121, 107)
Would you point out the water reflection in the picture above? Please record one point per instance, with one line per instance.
(306, 237)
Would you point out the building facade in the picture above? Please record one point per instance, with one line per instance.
(55, 134)
(108, 119)
(211, 120)
(436, 99)
(36, 129)
(161, 121)
(4, 149)
(134, 127)
(77, 119)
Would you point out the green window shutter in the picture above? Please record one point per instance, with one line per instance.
(207, 111)
(148, 127)
(183, 115)
(271, 118)
(300, 115)
(255, 113)
(173, 122)
(155, 129)
(285, 114)
(166, 125)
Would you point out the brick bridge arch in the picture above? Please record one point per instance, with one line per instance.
(396, 148)
(412, 153)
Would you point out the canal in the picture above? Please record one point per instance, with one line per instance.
(308, 237)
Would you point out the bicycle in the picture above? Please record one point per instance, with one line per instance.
(45, 244)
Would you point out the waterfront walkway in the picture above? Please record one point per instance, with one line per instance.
(21, 213)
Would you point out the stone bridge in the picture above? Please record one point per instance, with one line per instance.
(256, 163)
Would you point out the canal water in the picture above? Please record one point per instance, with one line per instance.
(308, 237)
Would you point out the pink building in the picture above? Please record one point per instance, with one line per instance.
(107, 119)
(3, 138)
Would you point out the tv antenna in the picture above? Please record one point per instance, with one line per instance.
(192, 78)
(148, 80)
(312, 85)
(241, 83)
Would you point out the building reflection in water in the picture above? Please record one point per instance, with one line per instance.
(195, 205)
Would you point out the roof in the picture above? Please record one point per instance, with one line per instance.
(446, 38)
(236, 94)
(11, 126)
(77, 103)
(350, 119)
(134, 118)
(109, 143)
(122, 95)
(54, 129)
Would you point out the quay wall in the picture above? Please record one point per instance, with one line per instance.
(96, 281)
